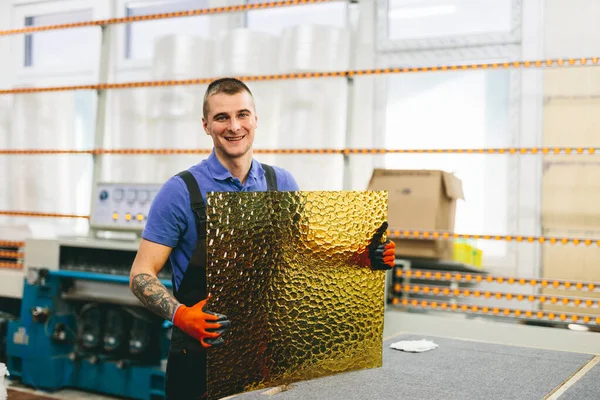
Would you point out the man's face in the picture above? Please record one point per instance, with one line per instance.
(231, 122)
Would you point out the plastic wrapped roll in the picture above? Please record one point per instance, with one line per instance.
(314, 111)
(130, 130)
(52, 183)
(314, 48)
(320, 123)
(181, 57)
(175, 113)
(243, 52)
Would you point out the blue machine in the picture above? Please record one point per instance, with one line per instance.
(97, 347)
(80, 326)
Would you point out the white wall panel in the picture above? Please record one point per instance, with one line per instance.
(570, 28)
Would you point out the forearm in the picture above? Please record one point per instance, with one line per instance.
(154, 295)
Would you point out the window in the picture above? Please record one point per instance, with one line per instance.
(437, 24)
(140, 36)
(64, 46)
(410, 19)
(457, 110)
(274, 20)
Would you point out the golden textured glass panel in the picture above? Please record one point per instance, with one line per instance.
(285, 267)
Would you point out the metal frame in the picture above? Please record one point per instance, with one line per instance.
(347, 173)
(514, 175)
(103, 77)
(529, 185)
(449, 56)
(388, 45)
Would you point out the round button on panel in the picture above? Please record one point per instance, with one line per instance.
(131, 196)
(119, 194)
(143, 196)
(103, 195)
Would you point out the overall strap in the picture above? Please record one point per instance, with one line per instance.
(192, 288)
(271, 178)
(196, 201)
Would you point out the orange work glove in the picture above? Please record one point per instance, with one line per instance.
(381, 255)
(207, 327)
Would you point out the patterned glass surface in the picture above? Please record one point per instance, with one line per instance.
(288, 270)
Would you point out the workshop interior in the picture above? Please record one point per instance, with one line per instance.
(478, 119)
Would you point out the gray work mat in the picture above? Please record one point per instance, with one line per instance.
(588, 387)
(457, 369)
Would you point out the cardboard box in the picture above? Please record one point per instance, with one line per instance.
(420, 200)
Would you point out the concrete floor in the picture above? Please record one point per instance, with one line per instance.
(457, 326)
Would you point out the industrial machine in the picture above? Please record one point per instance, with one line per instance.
(80, 326)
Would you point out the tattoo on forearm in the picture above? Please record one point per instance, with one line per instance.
(154, 295)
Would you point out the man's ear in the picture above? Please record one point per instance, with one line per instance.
(205, 125)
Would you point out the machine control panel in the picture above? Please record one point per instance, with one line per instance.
(122, 206)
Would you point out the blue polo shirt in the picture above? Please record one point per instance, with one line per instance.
(170, 219)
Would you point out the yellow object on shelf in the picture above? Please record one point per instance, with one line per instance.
(477, 257)
(467, 254)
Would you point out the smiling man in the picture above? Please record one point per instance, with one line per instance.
(176, 231)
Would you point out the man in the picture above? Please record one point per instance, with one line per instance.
(176, 231)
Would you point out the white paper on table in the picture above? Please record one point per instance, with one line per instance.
(414, 346)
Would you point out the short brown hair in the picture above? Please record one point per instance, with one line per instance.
(224, 85)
